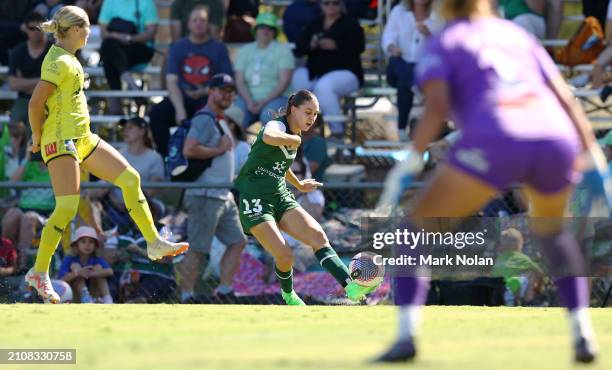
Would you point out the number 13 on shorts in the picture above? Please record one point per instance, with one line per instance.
(256, 204)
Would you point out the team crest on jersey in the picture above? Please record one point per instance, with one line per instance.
(51, 148)
(69, 145)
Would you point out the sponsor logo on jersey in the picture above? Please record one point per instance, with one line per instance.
(51, 148)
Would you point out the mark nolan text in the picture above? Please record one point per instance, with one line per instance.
(429, 260)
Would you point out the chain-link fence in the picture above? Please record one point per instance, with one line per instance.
(339, 207)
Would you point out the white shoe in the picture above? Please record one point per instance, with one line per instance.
(162, 248)
(42, 284)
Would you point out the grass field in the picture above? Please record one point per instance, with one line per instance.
(156, 337)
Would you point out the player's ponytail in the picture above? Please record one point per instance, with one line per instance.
(67, 17)
(295, 100)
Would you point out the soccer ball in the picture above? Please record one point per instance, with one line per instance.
(364, 271)
(63, 289)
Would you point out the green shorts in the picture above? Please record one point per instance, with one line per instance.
(258, 208)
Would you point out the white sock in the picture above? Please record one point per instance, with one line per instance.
(409, 320)
(580, 323)
(107, 299)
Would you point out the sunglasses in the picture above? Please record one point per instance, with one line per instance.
(335, 3)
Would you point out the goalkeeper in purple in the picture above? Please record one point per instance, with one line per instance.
(267, 206)
(519, 124)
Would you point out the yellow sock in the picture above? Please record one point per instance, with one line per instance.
(66, 207)
(136, 203)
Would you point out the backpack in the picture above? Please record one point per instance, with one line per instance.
(181, 168)
(584, 46)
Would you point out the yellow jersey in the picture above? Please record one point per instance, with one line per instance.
(67, 116)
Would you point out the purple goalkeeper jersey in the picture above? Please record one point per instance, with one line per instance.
(497, 75)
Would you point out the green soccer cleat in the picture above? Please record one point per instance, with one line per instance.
(292, 299)
(356, 292)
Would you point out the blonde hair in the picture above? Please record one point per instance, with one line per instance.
(453, 9)
(67, 17)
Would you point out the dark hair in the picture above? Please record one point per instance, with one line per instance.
(34, 17)
(295, 100)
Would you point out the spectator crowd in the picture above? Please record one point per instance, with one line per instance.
(228, 70)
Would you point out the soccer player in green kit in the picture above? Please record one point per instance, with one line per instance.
(267, 206)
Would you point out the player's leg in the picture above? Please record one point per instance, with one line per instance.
(269, 236)
(301, 226)
(65, 180)
(106, 163)
(229, 232)
(451, 193)
(567, 264)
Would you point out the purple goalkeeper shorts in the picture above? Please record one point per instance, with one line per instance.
(547, 165)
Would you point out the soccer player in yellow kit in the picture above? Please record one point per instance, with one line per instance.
(60, 130)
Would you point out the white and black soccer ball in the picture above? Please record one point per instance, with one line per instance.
(63, 289)
(364, 271)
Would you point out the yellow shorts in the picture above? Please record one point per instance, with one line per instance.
(80, 148)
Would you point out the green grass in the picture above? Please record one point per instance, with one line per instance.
(278, 337)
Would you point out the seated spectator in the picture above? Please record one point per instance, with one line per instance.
(605, 57)
(240, 20)
(138, 151)
(128, 31)
(179, 15)
(12, 16)
(541, 18)
(410, 23)
(21, 223)
(234, 118)
(297, 16)
(315, 151)
(263, 72)
(8, 258)
(333, 45)
(9, 282)
(25, 62)
(313, 202)
(521, 275)
(192, 61)
(84, 270)
(50, 7)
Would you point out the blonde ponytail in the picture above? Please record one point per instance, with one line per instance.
(67, 17)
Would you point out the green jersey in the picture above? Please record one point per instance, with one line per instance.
(265, 168)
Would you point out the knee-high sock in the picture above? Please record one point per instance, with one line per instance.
(568, 268)
(66, 207)
(136, 204)
(285, 278)
(330, 261)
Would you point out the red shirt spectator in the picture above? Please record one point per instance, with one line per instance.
(8, 257)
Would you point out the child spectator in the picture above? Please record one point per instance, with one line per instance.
(86, 272)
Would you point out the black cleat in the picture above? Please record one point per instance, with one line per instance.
(585, 351)
(400, 351)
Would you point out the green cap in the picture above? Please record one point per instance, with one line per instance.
(267, 19)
